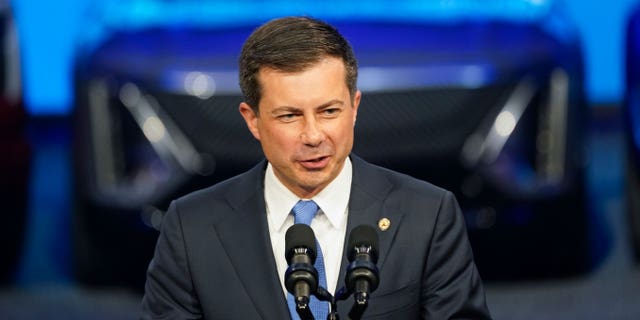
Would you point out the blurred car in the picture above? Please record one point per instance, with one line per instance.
(15, 149)
(631, 116)
(492, 109)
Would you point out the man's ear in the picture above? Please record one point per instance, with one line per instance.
(356, 104)
(250, 118)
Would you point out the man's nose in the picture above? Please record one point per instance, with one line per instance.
(312, 133)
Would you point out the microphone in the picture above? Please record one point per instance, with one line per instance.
(301, 278)
(362, 274)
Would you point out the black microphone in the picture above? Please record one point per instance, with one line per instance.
(362, 274)
(301, 278)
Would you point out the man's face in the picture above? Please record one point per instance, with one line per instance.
(305, 124)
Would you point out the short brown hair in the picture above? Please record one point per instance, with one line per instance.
(292, 44)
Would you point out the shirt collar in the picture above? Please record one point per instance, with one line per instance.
(332, 200)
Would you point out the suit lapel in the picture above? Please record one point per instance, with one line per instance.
(245, 237)
(368, 204)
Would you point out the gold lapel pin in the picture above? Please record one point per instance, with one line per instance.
(384, 224)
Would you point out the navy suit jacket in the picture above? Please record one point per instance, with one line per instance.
(214, 260)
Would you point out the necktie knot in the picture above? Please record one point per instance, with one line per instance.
(304, 211)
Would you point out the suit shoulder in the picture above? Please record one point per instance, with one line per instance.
(214, 192)
(408, 183)
(215, 201)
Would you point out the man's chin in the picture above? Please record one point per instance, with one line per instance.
(313, 182)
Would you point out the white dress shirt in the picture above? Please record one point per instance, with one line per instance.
(329, 224)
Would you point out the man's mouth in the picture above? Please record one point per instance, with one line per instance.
(315, 163)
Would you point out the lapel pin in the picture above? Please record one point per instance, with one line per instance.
(384, 224)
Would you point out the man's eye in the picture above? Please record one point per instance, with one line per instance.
(331, 112)
(286, 116)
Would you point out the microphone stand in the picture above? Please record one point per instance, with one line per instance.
(303, 310)
(323, 295)
(361, 301)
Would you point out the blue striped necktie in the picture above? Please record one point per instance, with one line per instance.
(303, 212)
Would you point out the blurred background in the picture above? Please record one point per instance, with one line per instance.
(528, 110)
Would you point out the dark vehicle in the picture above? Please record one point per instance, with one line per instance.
(631, 115)
(490, 109)
(14, 146)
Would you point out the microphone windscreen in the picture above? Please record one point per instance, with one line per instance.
(363, 235)
(300, 236)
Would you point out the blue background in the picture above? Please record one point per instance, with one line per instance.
(51, 31)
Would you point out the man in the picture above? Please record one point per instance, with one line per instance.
(220, 254)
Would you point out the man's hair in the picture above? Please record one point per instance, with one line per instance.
(292, 44)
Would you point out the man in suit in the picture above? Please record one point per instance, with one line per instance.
(220, 254)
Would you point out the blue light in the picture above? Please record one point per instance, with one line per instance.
(51, 31)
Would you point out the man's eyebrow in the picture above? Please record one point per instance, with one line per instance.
(284, 109)
(330, 103)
